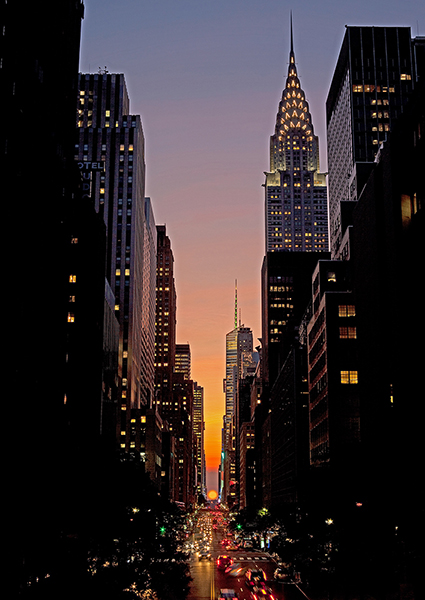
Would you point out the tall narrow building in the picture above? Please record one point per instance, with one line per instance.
(165, 328)
(239, 347)
(198, 430)
(148, 306)
(295, 191)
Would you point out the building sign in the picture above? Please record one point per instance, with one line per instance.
(92, 166)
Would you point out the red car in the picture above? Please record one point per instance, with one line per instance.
(255, 578)
(224, 561)
(262, 593)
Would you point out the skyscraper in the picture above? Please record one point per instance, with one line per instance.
(165, 329)
(239, 345)
(147, 375)
(111, 147)
(238, 342)
(295, 191)
(376, 72)
(183, 360)
(198, 430)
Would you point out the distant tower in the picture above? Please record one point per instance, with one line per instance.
(183, 360)
(198, 430)
(165, 332)
(295, 191)
(239, 342)
(236, 303)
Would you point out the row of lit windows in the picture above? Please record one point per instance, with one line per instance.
(380, 114)
(373, 88)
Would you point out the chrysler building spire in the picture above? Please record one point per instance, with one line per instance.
(295, 190)
(293, 118)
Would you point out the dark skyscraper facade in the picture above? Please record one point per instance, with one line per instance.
(198, 430)
(166, 318)
(111, 149)
(55, 230)
(376, 72)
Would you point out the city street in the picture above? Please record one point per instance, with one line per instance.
(208, 579)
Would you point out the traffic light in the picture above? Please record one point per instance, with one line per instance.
(238, 526)
(162, 530)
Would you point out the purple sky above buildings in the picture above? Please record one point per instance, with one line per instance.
(206, 76)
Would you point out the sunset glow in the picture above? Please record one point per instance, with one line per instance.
(205, 182)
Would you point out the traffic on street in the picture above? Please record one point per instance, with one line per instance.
(225, 565)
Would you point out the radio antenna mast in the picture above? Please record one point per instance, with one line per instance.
(236, 303)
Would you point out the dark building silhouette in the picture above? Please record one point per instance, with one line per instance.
(286, 292)
(165, 355)
(57, 352)
(289, 431)
(333, 386)
(173, 386)
(286, 283)
(166, 318)
(388, 259)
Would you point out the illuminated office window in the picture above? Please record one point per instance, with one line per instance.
(346, 310)
(349, 377)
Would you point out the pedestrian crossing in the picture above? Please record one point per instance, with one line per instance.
(250, 557)
(245, 557)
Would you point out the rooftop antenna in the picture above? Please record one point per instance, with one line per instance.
(236, 303)
(291, 53)
(292, 36)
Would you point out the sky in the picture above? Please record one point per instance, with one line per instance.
(206, 77)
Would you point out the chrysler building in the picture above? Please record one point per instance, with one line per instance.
(296, 216)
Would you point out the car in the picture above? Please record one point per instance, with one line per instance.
(204, 555)
(224, 561)
(262, 593)
(255, 578)
(227, 594)
(282, 574)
